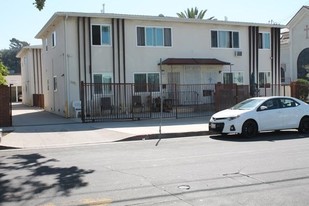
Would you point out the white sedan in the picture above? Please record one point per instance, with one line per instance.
(262, 114)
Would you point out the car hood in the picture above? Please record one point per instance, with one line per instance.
(229, 113)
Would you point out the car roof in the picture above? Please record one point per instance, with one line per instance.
(270, 97)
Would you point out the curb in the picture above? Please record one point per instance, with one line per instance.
(164, 136)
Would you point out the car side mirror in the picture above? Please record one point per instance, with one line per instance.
(263, 108)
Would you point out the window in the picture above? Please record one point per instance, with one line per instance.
(146, 82)
(234, 78)
(271, 104)
(103, 83)
(101, 35)
(224, 39)
(154, 36)
(264, 79)
(264, 40)
(53, 39)
(46, 45)
(55, 83)
(286, 103)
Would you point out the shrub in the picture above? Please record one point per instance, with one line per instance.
(302, 88)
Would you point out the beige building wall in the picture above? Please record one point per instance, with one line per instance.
(74, 58)
(31, 73)
(298, 41)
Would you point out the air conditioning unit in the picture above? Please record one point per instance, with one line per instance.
(238, 53)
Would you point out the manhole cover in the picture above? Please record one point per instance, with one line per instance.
(184, 187)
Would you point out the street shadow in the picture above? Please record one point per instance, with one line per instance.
(265, 136)
(24, 177)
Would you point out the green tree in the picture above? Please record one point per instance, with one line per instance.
(193, 13)
(8, 56)
(39, 4)
(3, 72)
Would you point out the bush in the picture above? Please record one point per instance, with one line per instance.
(302, 88)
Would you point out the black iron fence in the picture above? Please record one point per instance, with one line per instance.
(104, 102)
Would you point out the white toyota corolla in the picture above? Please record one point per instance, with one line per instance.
(262, 114)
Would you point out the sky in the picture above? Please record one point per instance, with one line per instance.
(21, 20)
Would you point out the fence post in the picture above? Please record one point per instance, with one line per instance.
(5, 106)
(82, 98)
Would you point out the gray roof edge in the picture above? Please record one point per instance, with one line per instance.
(19, 54)
(146, 17)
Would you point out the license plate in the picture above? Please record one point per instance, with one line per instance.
(213, 126)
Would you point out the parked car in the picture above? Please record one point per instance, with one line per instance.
(257, 114)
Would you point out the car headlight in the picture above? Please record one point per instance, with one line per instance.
(232, 118)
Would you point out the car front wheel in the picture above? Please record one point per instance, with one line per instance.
(304, 125)
(249, 129)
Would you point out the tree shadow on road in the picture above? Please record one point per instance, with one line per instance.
(24, 177)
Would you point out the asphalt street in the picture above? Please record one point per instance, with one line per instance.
(271, 169)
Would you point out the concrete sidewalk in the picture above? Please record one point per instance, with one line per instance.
(36, 128)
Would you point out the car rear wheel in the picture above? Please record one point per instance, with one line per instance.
(249, 129)
(304, 125)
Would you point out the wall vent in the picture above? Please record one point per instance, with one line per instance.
(238, 53)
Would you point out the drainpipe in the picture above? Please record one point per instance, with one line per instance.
(67, 73)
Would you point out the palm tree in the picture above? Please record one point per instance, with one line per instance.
(39, 4)
(193, 13)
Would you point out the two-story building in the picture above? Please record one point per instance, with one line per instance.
(113, 48)
(31, 75)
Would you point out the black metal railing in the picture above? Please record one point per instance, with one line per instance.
(104, 102)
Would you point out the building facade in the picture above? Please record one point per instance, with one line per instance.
(295, 46)
(31, 74)
(112, 48)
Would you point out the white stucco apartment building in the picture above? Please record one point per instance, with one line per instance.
(114, 48)
(31, 73)
(295, 45)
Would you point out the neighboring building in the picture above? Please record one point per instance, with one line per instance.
(14, 81)
(32, 75)
(112, 48)
(295, 46)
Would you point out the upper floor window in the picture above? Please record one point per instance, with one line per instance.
(53, 39)
(101, 35)
(154, 36)
(224, 39)
(264, 40)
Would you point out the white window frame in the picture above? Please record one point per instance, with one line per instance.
(263, 46)
(103, 90)
(55, 83)
(53, 39)
(46, 45)
(101, 37)
(155, 40)
(218, 39)
(147, 88)
(237, 77)
(267, 76)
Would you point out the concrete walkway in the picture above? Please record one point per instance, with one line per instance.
(36, 128)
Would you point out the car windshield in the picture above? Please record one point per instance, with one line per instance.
(247, 104)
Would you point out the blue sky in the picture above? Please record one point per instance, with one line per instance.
(20, 19)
